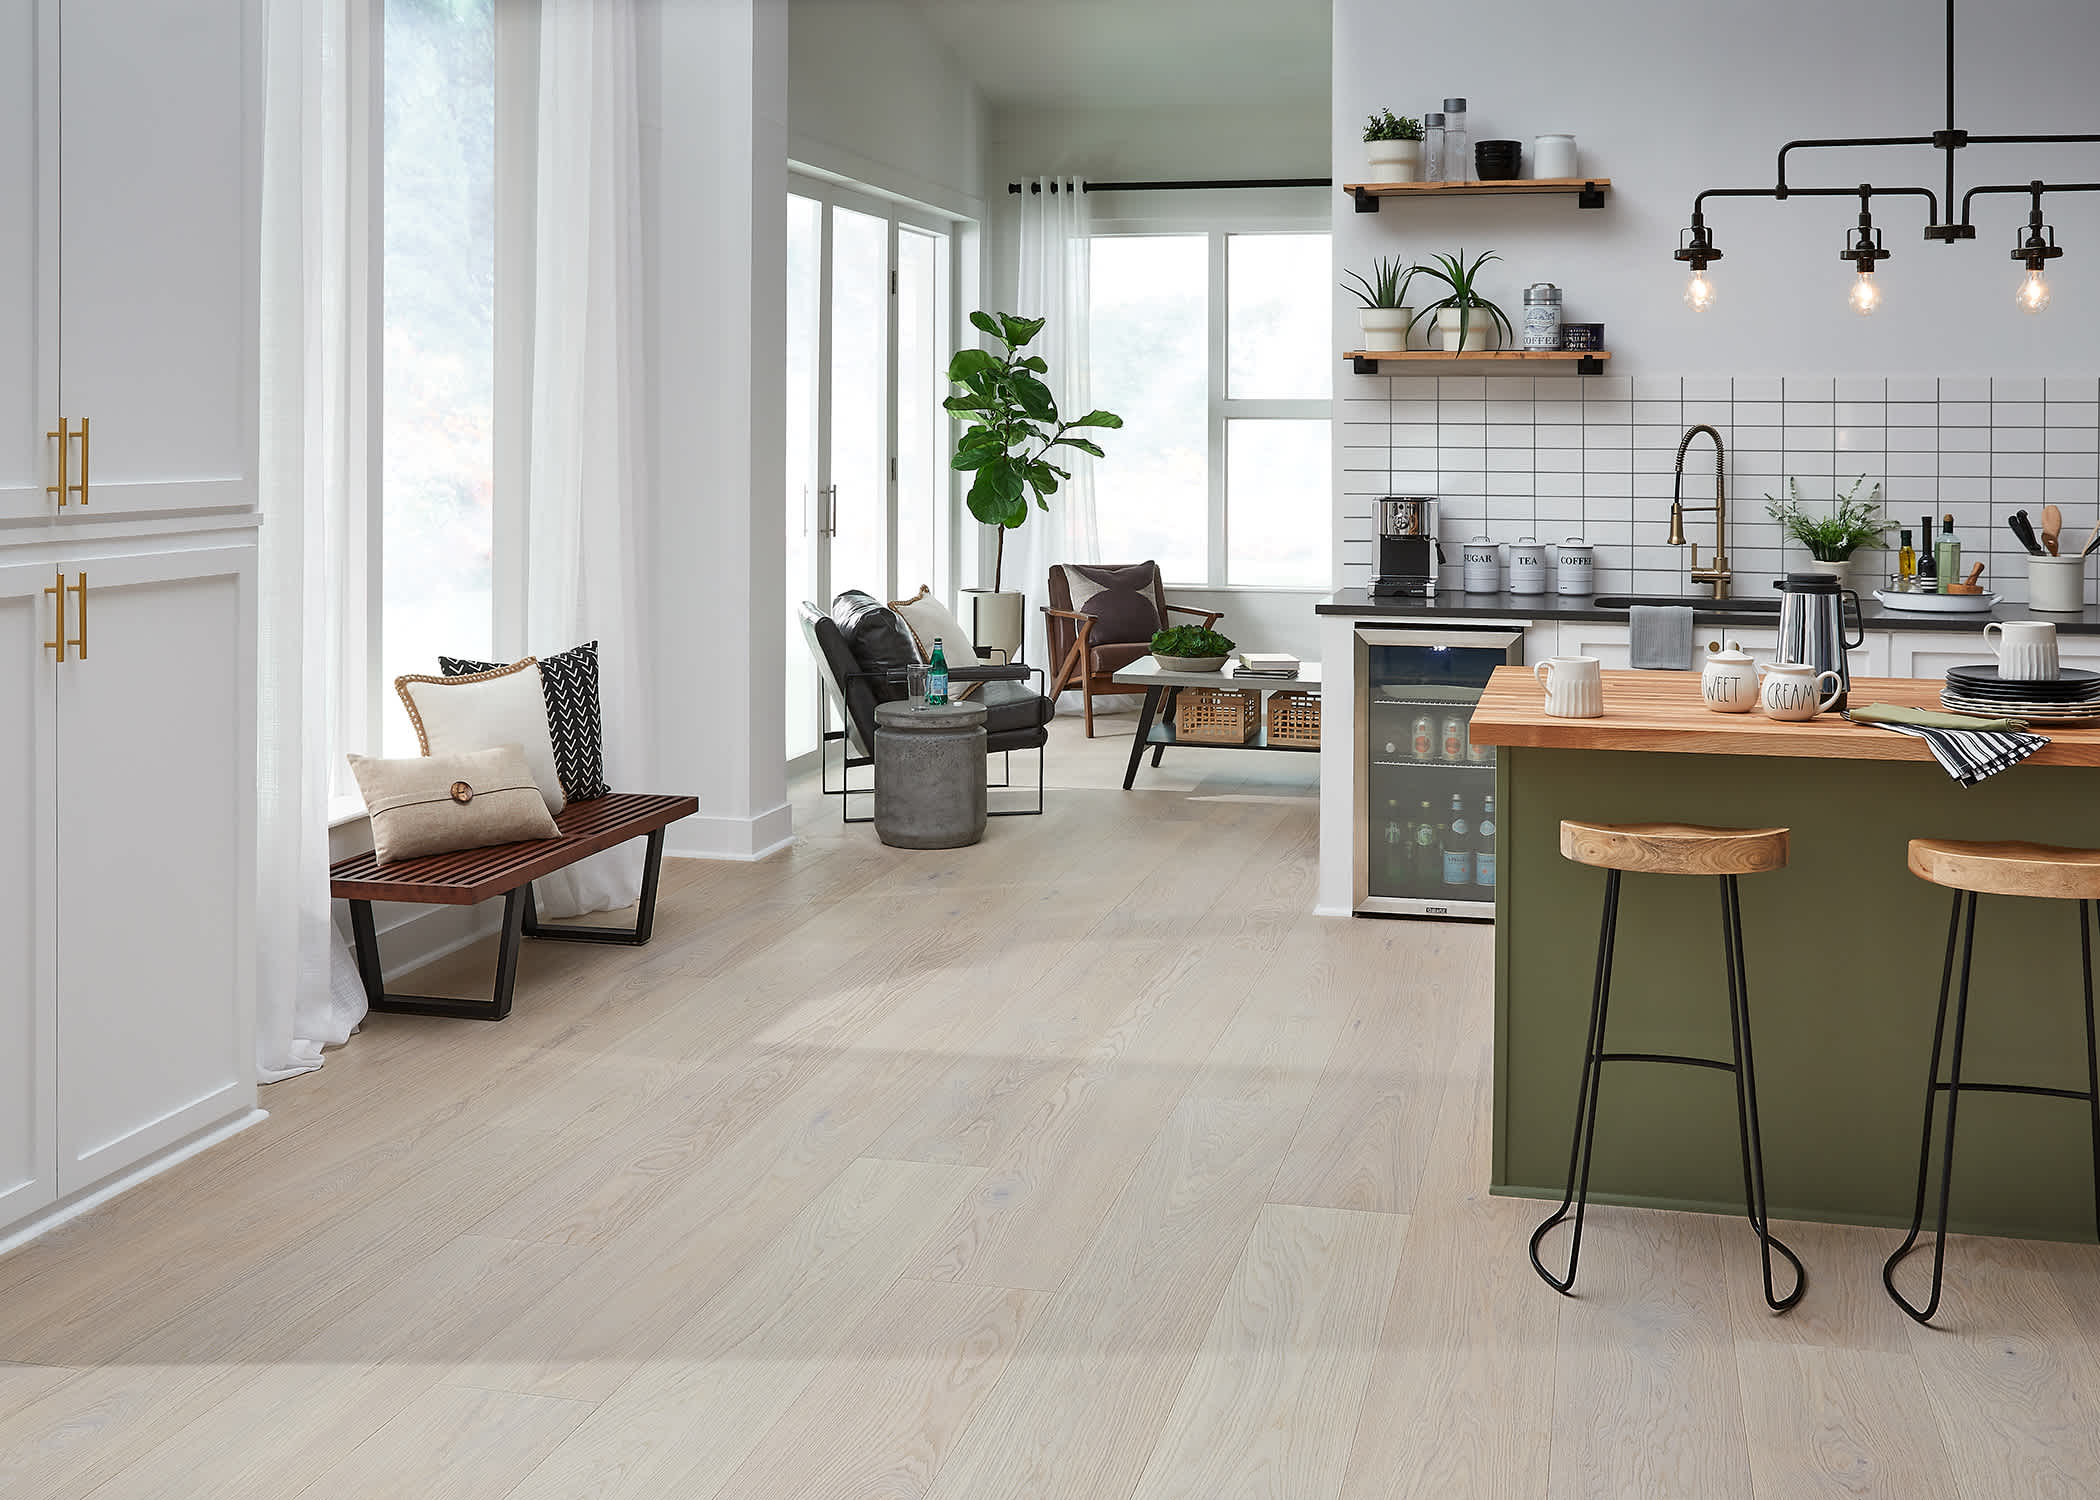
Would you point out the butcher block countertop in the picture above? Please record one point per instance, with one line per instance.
(1662, 711)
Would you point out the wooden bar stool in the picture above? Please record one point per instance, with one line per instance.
(1672, 849)
(1969, 870)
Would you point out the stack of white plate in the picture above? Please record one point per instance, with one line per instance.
(2072, 698)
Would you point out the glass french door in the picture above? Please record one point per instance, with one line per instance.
(868, 501)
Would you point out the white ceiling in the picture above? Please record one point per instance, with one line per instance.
(1138, 54)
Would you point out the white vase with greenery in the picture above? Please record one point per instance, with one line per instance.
(1831, 537)
(1466, 321)
(1393, 148)
(1386, 315)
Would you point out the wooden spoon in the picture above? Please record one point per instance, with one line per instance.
(2052, 527)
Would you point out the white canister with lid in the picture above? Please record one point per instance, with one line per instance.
(1553, 156)
(1575, 566)
(1483, 567)
(1527, 567)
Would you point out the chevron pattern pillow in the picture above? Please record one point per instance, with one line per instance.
(570, 684)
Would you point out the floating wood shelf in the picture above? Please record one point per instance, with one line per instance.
(1586, 361)
(1589, 191)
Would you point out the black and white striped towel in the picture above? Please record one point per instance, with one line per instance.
(1970, 755)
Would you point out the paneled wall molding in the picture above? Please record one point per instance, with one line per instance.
(1551, 457)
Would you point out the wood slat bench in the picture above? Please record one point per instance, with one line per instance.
(468, 877)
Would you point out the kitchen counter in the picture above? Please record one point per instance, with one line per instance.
(1844, 952)
(1453, 605)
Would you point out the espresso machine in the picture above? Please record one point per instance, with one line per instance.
(1407, 550)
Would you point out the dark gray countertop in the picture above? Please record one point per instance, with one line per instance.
(1453, 605)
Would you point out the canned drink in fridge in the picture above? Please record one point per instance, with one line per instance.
(1478, 754)
(1454, 737)
(1425, 738)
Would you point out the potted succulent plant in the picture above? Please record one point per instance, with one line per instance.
(1465, 320)
(1191, 648)
(1393, 146)
(1386, 315)
(1832, 537)
(1014, 424)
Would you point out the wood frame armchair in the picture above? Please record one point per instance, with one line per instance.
(1070, 636)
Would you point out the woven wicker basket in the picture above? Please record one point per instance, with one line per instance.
(1216, 716)
(1294, 718)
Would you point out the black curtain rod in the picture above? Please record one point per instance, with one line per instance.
(1178, 187)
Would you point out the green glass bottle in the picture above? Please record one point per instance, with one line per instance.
(937, 677)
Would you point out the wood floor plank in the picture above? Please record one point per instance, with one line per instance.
(938, 1350)
(1839, 1424)
(1844, 1307)
(459, 1443)
(22, 1384)
(682, 1423)
(1272, 1403)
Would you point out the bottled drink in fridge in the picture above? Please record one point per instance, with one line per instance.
(1396, 857)
(1425, 737)
(1429, 857)
(1484, 839)
(1458, 847)
(1454, 737)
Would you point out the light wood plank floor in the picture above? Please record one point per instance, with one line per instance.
(1084, 1164)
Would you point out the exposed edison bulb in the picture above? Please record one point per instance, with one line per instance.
(2033, 295)
(1865, 296)
(1698, 292)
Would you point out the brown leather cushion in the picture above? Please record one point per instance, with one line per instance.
(1127, 602)
(1114, 658)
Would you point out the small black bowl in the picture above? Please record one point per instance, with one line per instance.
(1498, 161)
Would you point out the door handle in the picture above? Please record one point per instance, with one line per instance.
(58, 642)
(80, 489)
(830, 492)
(65, 457)
(79, 590)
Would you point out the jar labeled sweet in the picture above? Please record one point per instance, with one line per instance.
(1542, 316)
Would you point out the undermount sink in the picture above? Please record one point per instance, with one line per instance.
(1696, 602)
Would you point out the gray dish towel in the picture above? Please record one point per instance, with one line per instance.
(1659, 637)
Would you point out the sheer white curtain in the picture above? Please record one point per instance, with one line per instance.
(307, 993)
(1055, 251)
(585, 519)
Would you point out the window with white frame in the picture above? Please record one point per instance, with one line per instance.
(1214, 347)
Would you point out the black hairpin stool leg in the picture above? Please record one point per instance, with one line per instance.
(1933, 1086)
(1748, 1126)
(1578, 1189)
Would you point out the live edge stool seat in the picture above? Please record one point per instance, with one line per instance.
(467, 877)
(2037, 871)
(1672, 849)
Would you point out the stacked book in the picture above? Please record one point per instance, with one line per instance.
(1274, 664)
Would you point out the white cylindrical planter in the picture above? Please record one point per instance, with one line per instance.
(1394, 161)
(1385, 328)
(2056, 585)
(996, 620)
(1553, 156)
(1480, 330)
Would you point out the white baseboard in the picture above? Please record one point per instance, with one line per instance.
(752, 838)
(72, 1208)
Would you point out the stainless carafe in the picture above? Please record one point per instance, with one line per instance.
(1812, 626)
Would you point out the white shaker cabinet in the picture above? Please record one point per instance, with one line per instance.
(28, 257)
(28, 893)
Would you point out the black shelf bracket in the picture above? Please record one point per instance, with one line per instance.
(1366, 203)
(1591, 196)
(1589, 365)
(1363, 366)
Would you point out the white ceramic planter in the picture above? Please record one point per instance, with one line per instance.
(1840, 570)
(1480, 330)
(995, 619)
(1394, 161)
(1385, 328)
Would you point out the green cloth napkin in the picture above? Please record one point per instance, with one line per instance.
(1928, 718)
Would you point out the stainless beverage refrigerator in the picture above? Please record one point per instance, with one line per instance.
(1426, 829)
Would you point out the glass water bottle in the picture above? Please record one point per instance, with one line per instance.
(1458, 153)
(1433, 147)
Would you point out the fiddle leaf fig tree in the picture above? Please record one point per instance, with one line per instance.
(1014, 425)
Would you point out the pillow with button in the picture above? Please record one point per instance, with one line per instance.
(434, 804)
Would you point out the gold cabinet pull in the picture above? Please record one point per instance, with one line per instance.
(65, 456)
(79, 592)
(58, 640)
(80, 489)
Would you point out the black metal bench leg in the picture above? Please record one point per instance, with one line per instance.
(1144, 730)
(1756, 1202)
(1933, 1087)
(645, 916)
(1585, 1134)
(366, 942)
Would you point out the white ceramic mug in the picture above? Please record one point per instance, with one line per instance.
(1793, 690)
(1728, 682)
(2026, 650)
(1574, 686)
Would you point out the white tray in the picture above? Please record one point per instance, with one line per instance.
(1938, 604)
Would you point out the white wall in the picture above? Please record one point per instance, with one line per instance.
(875, 97)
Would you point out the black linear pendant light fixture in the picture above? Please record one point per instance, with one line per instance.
(2034, 248)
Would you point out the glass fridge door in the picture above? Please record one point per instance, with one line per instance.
(1428, 843)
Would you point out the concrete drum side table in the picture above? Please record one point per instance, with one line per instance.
(929, 774)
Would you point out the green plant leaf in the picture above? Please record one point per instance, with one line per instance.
(971, 365)
(985, 322)
(1043, 477)
(1191, 640)
(965, 404)
(998, 497)
(979, 446)
(1098, 419)
(1034, 397)
(1037, 363)
(1020, 332)
(1082, 444)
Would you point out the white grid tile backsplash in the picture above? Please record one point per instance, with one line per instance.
(1594, 456)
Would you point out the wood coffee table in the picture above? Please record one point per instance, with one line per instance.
(1156, 720)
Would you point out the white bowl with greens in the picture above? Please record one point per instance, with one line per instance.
(1191, 648)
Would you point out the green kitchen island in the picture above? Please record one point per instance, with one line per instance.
(1844, 950)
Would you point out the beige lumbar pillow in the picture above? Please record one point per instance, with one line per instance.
(439, 803)
(484, 709)
(929, 620)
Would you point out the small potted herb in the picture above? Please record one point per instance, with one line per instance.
(1191, 648)
(1393, 144)
(1383, 294)
(1465, 320)
(1832, 538)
